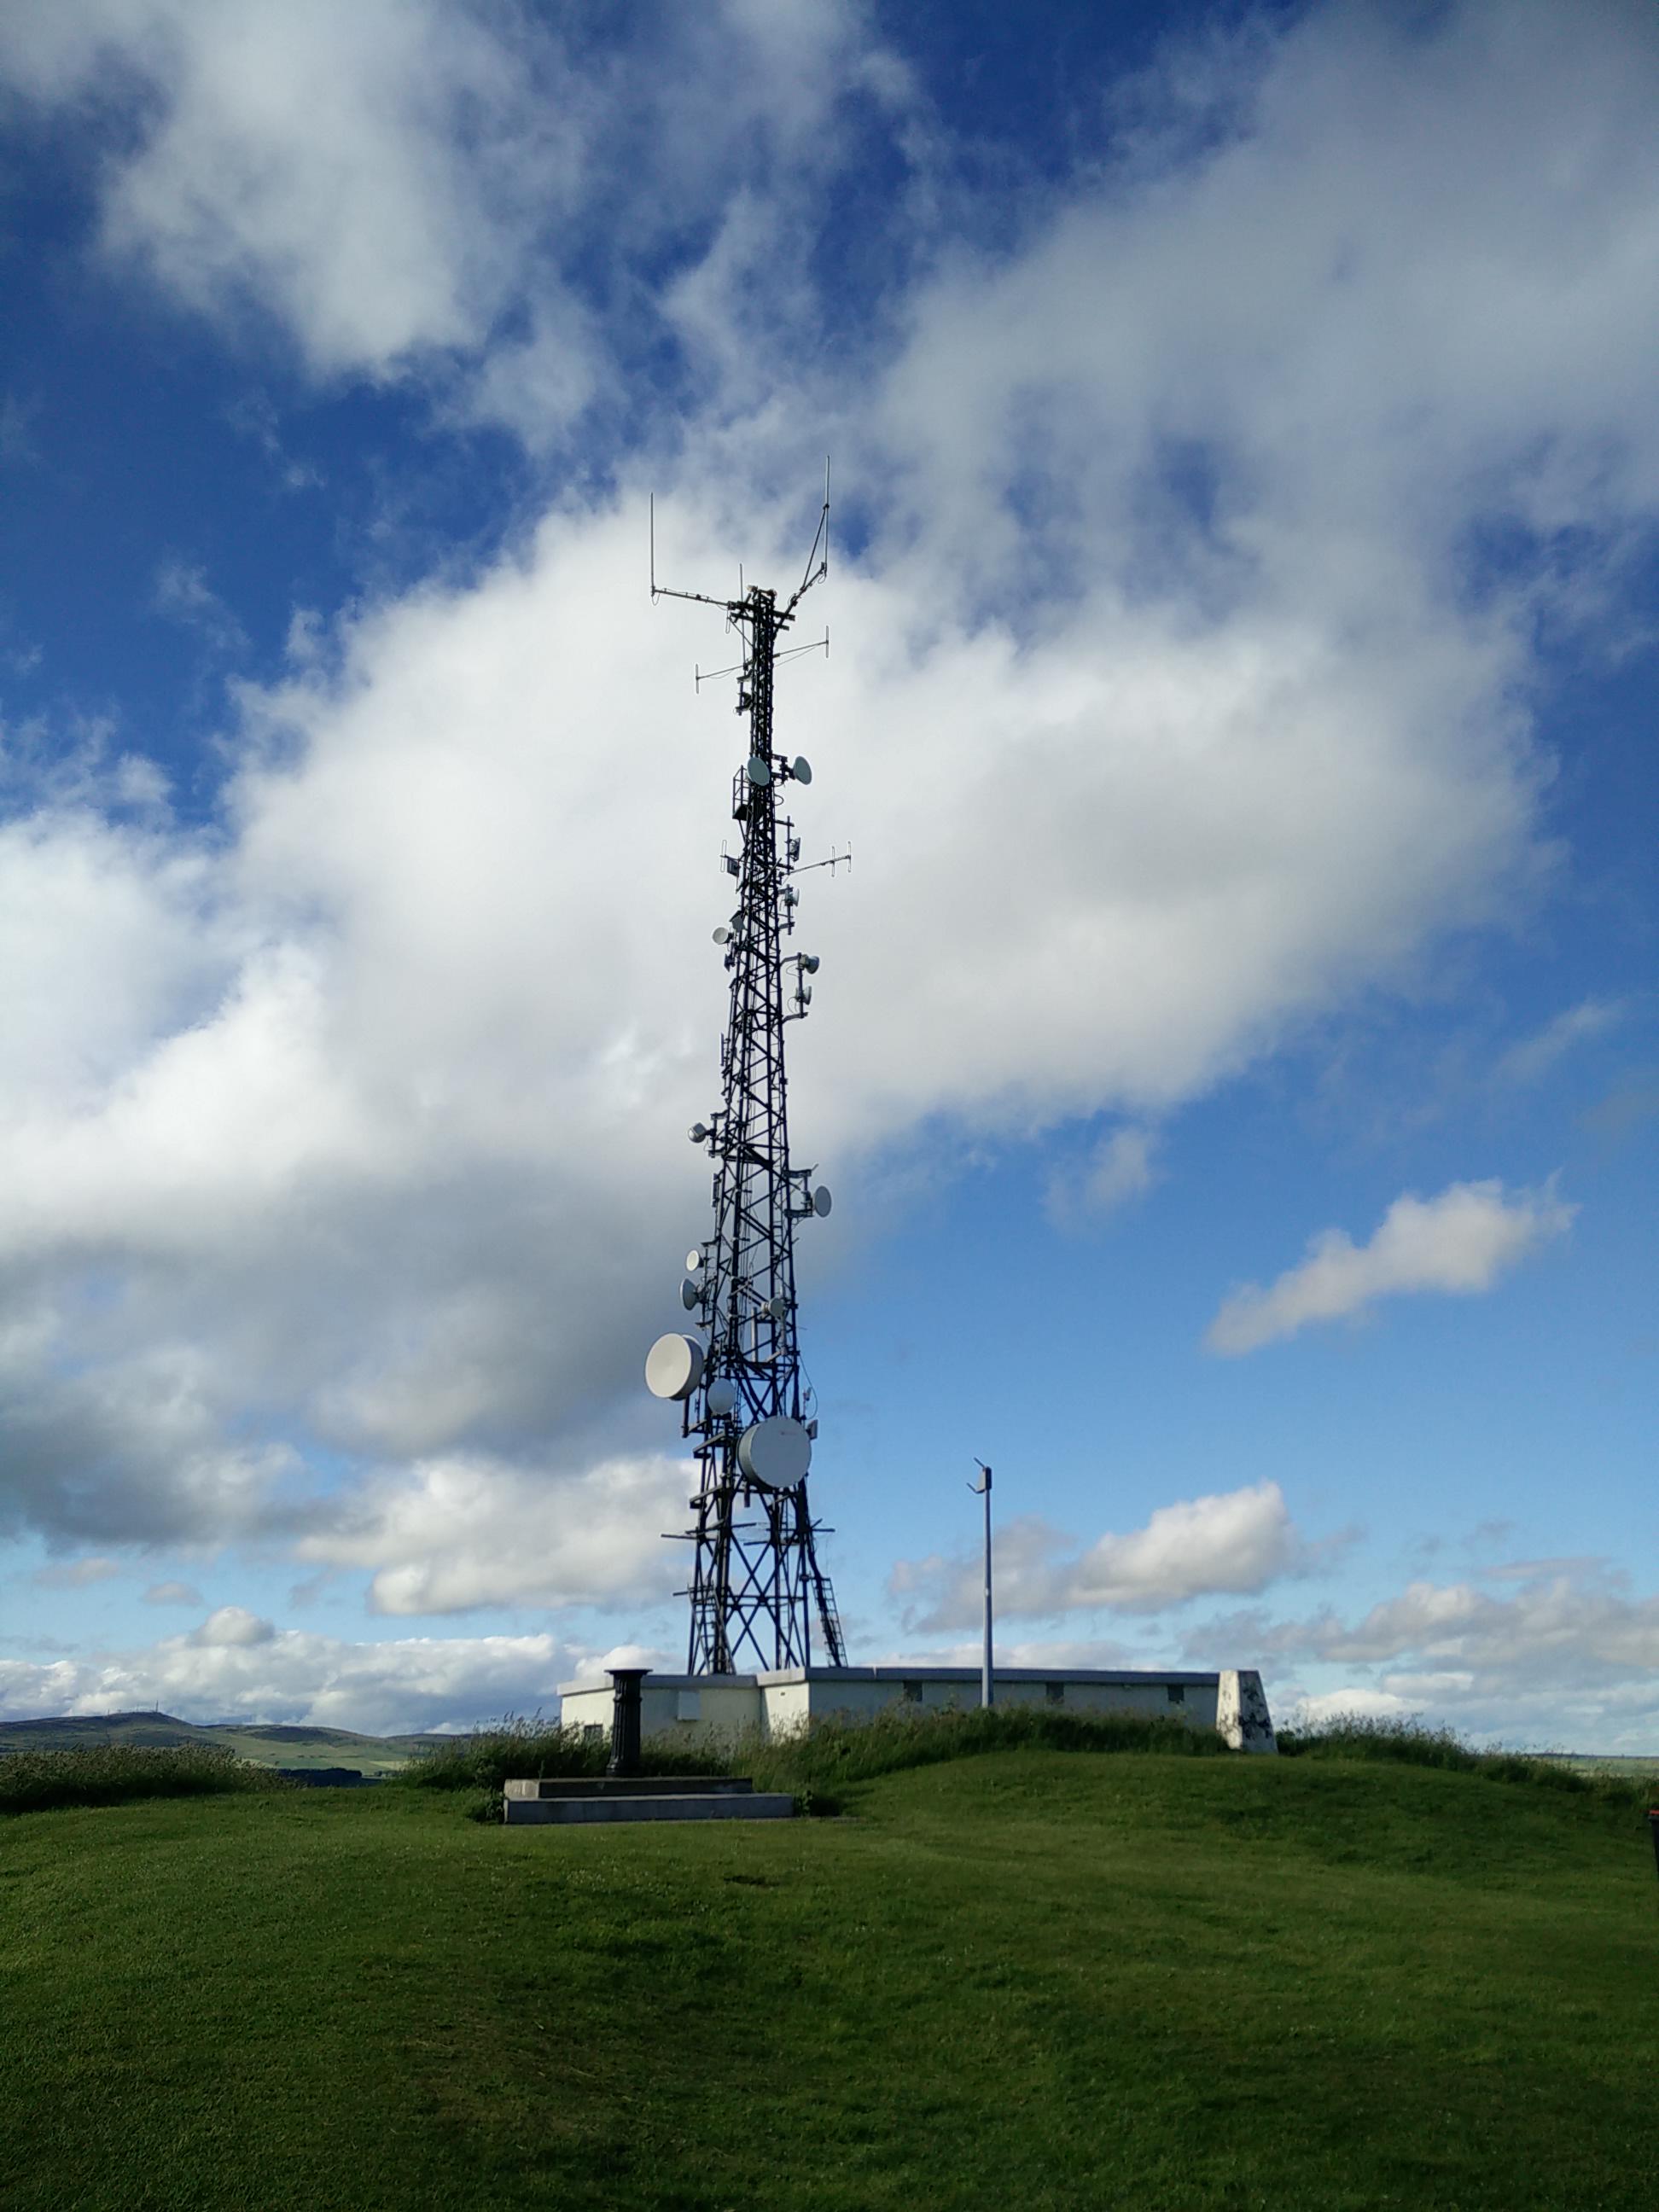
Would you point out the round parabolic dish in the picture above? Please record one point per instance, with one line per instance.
(803, 771)
(760, 769)
(673, 1367)
(821, 1200)
(775, 1453)
(722, 1394)
(690, 1295)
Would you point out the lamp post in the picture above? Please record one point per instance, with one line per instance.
(982, 1489)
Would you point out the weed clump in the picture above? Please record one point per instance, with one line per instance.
(116, 1774)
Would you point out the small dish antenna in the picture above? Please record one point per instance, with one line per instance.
(802, 770)
(722, 1394)
(693, 1261)
(821, 1200)
(722, 935)
(809, 962)
(673, 1367)
(760, 771)
(690, 1295)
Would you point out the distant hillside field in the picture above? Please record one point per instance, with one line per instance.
(1050, 1982)
(265, 1746)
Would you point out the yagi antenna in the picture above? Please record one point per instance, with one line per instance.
(818, 566)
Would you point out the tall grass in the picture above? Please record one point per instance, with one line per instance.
(813, 1765)
(817, 1764)
(113, 1774)
(1411, 1741)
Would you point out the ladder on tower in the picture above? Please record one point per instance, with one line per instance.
(830, 1619)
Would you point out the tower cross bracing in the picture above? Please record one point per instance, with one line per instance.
(758, 1597)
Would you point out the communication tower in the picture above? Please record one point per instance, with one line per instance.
(758, 1597)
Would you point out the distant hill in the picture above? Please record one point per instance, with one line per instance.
(265, 1744)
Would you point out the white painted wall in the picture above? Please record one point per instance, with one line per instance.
(706, 1708)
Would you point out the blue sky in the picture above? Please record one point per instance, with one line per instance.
(1235, 1056)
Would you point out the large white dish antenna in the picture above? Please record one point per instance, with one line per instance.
(775, 1453)
(673, 1367)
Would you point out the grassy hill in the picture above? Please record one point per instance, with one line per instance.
(264, 1746)
(1027, 1979)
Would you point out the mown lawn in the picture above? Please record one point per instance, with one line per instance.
(1024, 1980)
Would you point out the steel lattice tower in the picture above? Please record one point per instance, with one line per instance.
(757, 1593)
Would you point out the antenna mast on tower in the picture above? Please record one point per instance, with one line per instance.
(757, 1593)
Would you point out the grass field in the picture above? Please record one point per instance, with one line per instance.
(1027, 1979)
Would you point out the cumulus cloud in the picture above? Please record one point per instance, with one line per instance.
(233, 1627)
(1239, 1540)
(366, 174)
(460, 1533)
(1460, 1243)
(407, 1685)
(406, 187)
(344, 1132)
(1566, 1656)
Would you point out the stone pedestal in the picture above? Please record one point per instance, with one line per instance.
(1242, 1717)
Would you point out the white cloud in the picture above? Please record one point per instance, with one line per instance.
(183, 593)
(368, 174)
(1239, 1540)
(460, 1533)
(231, 1627)
(392, 1688)
(1532, 1058)
(1568, 1659)
(1459, 1242)
(1160, 713)
(1315, 1710)
(76, 1574)
(1120, 1169)
(173, 1594)
(406, 187)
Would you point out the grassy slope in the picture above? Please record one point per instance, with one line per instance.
(1025, 1979)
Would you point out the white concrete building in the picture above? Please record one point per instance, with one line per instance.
(710, 1706)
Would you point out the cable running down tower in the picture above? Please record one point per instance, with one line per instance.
(759, 1599)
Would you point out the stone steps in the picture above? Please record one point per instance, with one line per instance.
(562, 1803)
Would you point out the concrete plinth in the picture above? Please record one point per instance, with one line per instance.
(1241, 1716)
(563, 1803)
